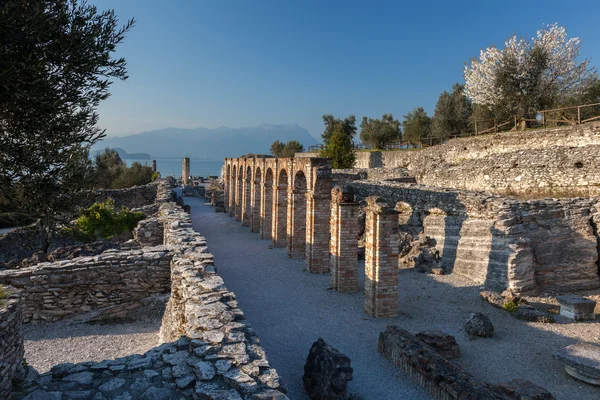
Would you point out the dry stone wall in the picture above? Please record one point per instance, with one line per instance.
(52, 291)
(11, 340)
(133, 197)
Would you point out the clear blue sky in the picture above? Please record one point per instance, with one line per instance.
(244, 63)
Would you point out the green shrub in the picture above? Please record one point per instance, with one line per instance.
(102, 221)
(155, 176)
(510, 306)
(3, 293)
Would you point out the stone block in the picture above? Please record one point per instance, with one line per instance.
(441, 342)
(582, 361)
(576, 307)
(326, 372)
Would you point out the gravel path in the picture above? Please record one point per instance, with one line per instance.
(49, 344)
(290, 308)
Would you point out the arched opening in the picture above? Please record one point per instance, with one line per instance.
(280, 210)
(405, 234)
(266, 213)
(297, 225)
(256, 201)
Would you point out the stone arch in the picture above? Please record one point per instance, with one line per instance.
(266, 209)
(256, 201)
(280, 210)
(247, 194)
(297, 217)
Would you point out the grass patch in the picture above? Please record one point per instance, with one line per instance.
(510, 306)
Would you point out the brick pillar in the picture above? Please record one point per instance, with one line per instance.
(255, 203)
(226, 182)
(280, 205)
(232, 192)
(185, 171)
(296, 224)
(238, 197)
(246, 194)
(266, 211)
(317, 232)
(381, 259)
(344, 237)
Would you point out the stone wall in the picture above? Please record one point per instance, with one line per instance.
(133, 197)
(444, 379)
(529, 246)
(113, 279)
(20, 243)
(11, 340)
(553, 162)
(149, 232)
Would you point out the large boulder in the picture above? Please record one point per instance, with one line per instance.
(441, 342)
(326, 372)
(422, 254)
(479, 325)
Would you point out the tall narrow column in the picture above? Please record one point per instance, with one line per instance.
(280, 205)
(185, 171)
(246, 194)
(317, 232)
(381, 259)
(238, 195)
(344, 237)
(297, 223)
(232, 191)
(266, 211)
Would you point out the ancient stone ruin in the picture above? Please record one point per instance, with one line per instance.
(208, 349)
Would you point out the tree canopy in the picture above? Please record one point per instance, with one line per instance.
(56, 66)
(289, 149)
(379, 132)
(340, 149)
(346, 125)
(529, 75)
(452, 114)
(416, 125)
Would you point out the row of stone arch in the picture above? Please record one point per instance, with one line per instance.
(285, 200)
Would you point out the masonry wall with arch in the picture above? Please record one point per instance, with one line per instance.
(285, 200)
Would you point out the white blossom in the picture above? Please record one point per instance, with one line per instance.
(563, 73)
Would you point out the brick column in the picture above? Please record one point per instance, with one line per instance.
(246, 194)
(280, 205)
(266, 211)
(255, 204)
(381, 259)
(226, 178)
(238, 197)
(232, 191)
(344, 237)
(296, 224)
(317, 232)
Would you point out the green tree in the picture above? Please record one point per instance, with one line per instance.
(56, 66)
(416, 125)
(380, 132)
(108, 166)
(291, 148)
(340, 149)
(347, 126)
(277, 148)
(452, 114)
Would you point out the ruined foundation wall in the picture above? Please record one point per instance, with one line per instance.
(11, 340)
(499, 242)
(52, 291)
(133, 197)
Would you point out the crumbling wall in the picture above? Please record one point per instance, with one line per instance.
(11, 340)
(133, 197)
(52, 291)
(528, 246)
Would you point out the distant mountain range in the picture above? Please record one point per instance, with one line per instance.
(208, 144)
(123, 154)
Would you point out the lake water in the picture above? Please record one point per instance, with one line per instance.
(172, 167)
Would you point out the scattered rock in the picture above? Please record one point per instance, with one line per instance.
(577, 308)
(326, 372)
(529, 313)
(479, 325)
(522, 389)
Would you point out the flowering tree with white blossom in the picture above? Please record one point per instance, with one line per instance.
(528, 75)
